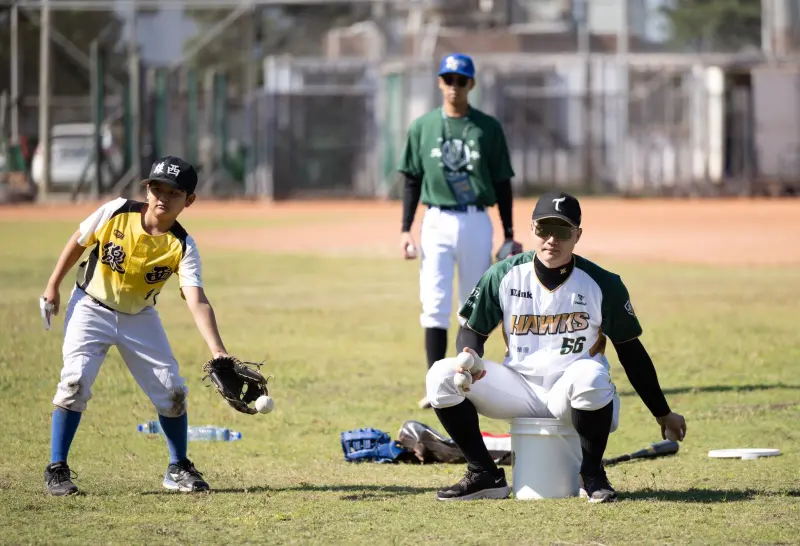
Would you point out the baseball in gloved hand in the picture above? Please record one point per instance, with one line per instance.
(507, 249)
(239, 383)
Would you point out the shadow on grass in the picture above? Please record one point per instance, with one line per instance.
(721, 388)
(355, 492)
(703, 496)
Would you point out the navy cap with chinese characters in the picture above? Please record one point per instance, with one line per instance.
(175, 172)
(559, 205)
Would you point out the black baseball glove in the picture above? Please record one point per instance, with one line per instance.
(239, 383)
(509, 248)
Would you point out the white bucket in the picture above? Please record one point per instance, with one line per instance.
(547, 459)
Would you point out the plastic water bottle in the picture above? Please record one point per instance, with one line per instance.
(208, 433)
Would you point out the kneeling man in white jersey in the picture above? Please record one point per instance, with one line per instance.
(556, 310)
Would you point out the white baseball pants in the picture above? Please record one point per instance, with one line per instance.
(504, 393)
(90, 330)
(447, 239)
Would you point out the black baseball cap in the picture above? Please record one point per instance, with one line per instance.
(173, 171)
(559, 205)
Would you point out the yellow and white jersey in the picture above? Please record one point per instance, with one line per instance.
(127, 266)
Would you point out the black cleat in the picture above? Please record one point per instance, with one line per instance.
(596, 488)
(477, 485)
(183, 476)
(58, 480)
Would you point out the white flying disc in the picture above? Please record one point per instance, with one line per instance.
(743, 453)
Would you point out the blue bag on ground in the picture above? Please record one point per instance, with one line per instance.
(371, 445)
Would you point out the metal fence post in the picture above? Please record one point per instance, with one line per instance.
(220, 114)
(160, 113)
(98, 115)
(45, 93)
(191, 115)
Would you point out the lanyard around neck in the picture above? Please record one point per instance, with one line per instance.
(448, 134)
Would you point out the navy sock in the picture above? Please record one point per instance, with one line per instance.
(462, 424)
(65, 423)
(435, 344)
(176, 430)
(593, 427)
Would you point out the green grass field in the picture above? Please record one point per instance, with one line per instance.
(343, 341)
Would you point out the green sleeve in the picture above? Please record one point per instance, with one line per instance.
(501, 162)
(482, 310)
(619, 318)
(411, 161)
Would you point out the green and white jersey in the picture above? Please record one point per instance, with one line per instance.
(546, 331)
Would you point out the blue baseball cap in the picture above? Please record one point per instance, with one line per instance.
(457, 63)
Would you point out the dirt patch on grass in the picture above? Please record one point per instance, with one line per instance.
(728, 232)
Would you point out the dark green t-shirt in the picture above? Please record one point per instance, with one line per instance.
(474, 146)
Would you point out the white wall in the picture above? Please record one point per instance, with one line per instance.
(161, 34)
(605, 16)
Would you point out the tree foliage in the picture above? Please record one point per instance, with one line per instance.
(715, 25)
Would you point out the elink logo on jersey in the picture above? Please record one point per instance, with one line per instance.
(543, 325)
(521, 294)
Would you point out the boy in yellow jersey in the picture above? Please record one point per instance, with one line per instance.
(136, 248)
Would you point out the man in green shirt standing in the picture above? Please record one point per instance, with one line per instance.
(456, 162)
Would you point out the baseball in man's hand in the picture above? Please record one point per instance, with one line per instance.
(672, 435)
(673, 426)
(477, 368)
(463, 381)
(465, 361)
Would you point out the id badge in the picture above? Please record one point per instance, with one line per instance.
(462, 189)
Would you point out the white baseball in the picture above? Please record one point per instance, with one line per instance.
(672, 435)
(264, 404)
(477, 364)
(465, 361)
(463, 381)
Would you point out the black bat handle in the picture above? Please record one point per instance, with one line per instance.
(615, 460)
(658, 449)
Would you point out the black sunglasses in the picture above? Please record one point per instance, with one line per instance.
(455, 80)
(545, 231)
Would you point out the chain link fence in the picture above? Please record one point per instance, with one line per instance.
(305, 125)
(677, 128)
